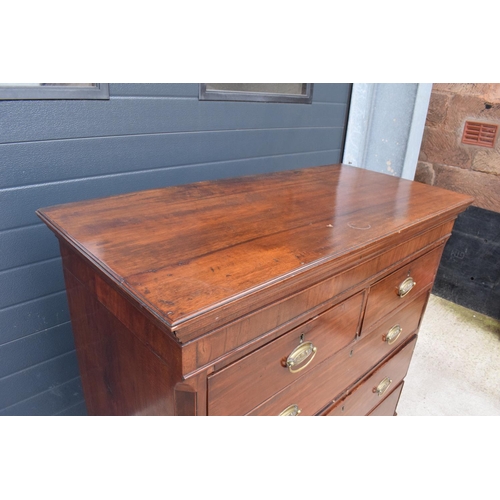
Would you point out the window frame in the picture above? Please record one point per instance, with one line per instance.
(100, 91)
(235, 95)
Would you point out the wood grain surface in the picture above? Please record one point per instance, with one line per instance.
(185, 250)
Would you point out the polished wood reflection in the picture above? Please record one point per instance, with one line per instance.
(185, 299)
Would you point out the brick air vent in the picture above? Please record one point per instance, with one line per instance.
(480, 134)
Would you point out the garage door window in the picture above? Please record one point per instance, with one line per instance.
(259, 92)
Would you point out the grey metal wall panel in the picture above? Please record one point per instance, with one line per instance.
(35, 348)
(15, 252)
(76, 410)
(30, 282)
(145, 136)
(57, 399)
(155, 89)
(52, 161)
(38, 378)
(124, 116)
(323, 92)
(331, 92)
(32, 316)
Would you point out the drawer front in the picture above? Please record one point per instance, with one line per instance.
(397, 328)
(397, 288)
(315, 390)
(365, 396)
(387, 408)
(237, 389)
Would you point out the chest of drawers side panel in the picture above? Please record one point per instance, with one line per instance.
(127, 366)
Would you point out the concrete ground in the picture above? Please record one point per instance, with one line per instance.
(455, 369)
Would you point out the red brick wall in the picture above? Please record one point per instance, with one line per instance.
(444, 161)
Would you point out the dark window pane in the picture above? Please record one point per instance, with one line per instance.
(267, 88)
(9, 91)
(258, 92)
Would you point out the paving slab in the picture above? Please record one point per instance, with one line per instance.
(455, 368)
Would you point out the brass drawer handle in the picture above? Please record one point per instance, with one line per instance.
(299, 355)
(291, 411)
(383, 386)
(393, 334)
(406, 287)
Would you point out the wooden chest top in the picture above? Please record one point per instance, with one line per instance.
(185, 250)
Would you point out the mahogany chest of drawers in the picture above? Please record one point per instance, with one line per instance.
(293, 293)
